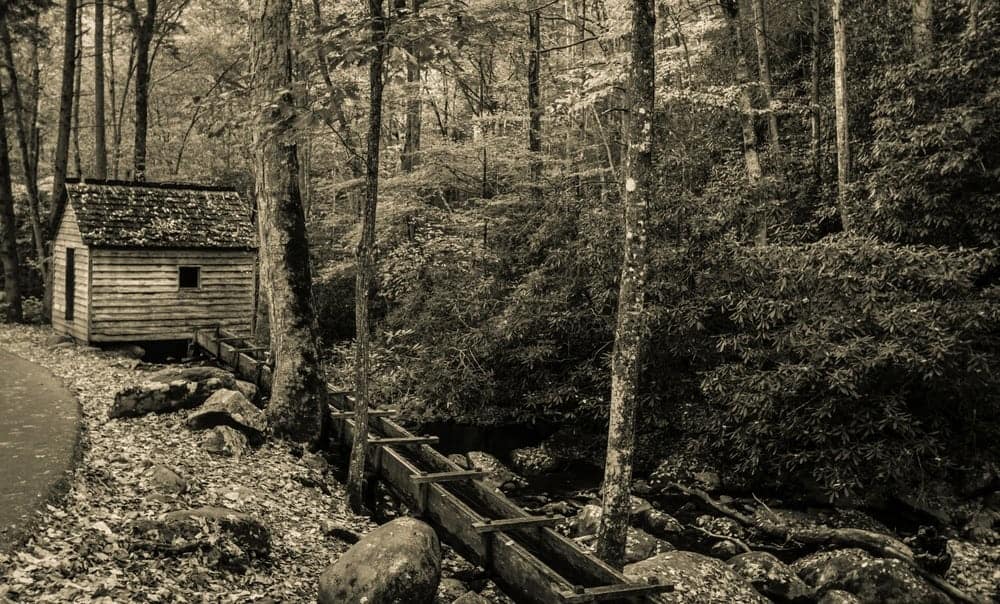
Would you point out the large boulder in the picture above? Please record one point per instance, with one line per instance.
(397, 563)
(226, 441)
(837, 596)
(771, 577)
(872, 580)
(229, 408)
(497, 474)
(170, 390)
(696, 579)
(534, 461)
(234, 537)
(640, 545)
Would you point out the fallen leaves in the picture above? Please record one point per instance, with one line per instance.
(81, 550)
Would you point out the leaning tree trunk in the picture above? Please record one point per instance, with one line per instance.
(142, 28)
(298, 405)
(77, 160)
(366, 263)
(100, 130)
(840, 101)
(24, 141)
(630, 329)
(764, 66)
(8, 229)
(535, 102)
(58, 197)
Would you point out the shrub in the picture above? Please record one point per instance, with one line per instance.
(857, 365)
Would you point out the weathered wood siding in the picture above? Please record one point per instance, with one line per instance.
(135, 293)
(68, 236)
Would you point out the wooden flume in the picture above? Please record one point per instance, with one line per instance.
(532, 562)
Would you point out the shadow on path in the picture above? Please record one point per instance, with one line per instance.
(39, 422)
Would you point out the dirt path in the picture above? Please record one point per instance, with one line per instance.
(39, 422)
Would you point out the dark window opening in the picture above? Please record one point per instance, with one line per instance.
(70, 282)
(189, 277)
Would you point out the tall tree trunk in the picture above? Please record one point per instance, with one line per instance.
(77, 161)
(58, 197)
(814, 107)
(764, 66)
(411, 146)
(974, 16)
(24, 140)
(112, 96)
(630, 329)
(535, 102)
(36, 97)
(8, 228)
(100, 131)
(298, 405)
(751, 153)
(366, 262)
(840, 101)
(923, 20)
(142, 28)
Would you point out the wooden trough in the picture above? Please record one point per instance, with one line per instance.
(531, 562)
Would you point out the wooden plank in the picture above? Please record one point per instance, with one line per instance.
(436, 477)
(564, 554)
(246, 367)
(489, 526)
(371, 413)
(151, 253)
(519, 573)
(605, 593)
(403, 440)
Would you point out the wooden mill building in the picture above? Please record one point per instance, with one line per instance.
(152, 261)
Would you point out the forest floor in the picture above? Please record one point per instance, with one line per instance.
(80, 548)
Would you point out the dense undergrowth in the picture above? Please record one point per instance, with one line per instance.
(852, 364)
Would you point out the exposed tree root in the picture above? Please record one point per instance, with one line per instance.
(882, 545)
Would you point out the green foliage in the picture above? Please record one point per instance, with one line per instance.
(856, 365)
(935, 158)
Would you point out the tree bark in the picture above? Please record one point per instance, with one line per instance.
(764, 66)
(630, 329)
(58, 197)
(366, 262)
(142, 29)
(751, 153)
(24, 140)
(298, 405)
(840, 101)
(814, 107)
(100, 131)
(411, 146)
(77, 161)
(535, 102)
(974, 16)
(8, 228)
(923, 20)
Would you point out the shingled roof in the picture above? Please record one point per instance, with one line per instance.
(160, 215)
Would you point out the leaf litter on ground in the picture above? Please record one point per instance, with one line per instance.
(80, 549)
